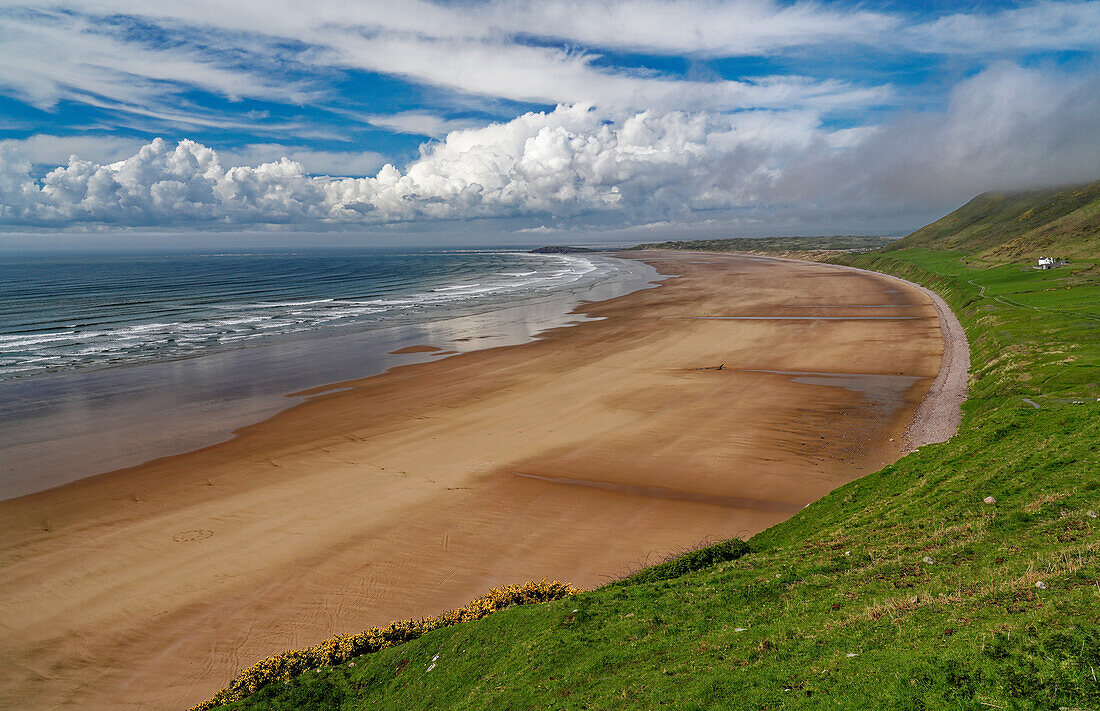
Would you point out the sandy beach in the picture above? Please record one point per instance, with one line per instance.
(715, 405)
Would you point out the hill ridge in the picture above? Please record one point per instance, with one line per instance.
(1012, 226)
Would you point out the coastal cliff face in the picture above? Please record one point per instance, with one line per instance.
(963, 575)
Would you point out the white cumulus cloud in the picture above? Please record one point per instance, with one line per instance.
(159, 185)
(1005, 127)
(562, 163)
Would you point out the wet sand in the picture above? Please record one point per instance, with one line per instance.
(60, 427)
(581, 455)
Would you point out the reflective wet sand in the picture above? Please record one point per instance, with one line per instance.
(62, 427)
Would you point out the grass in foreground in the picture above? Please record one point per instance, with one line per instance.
(900, 590)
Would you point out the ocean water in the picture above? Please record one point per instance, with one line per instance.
(65, 313)
(107, 361)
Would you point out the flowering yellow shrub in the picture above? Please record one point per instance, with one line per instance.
(339, 649)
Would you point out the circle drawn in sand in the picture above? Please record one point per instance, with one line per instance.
(189, 536)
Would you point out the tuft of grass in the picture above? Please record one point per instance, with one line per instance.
(689, 562)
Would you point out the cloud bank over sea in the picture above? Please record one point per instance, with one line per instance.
(602, 115)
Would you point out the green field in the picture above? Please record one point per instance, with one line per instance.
(901, 590)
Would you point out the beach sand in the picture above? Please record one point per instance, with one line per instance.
(579, 456)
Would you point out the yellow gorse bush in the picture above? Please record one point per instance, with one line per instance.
(339, 649)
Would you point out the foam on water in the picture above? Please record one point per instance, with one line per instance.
(213, 343)
(62, 314)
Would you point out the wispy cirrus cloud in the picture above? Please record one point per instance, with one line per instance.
(46, 149)
(469, 49)
(550, 76)
(542, 52)
(421, 123)
(1048, 26)
(88, 59)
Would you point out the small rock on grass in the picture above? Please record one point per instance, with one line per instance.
(1041, 585)
(929, 561)
(989, 500)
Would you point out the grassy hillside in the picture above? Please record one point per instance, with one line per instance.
(1061, 222)
(900, 590)
(777, 245)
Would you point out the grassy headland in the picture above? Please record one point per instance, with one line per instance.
(1004, 227)
(904, 589)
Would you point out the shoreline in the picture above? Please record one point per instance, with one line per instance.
(578, 456)
(210, 396)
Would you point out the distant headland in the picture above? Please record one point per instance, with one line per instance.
(558, 249)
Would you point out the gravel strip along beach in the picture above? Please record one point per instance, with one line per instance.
(940, 412)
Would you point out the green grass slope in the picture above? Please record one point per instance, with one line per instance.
(901, 590)
(1061, 222)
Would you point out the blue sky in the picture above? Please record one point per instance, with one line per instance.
(598, 119)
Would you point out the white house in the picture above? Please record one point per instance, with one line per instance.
(1047, 263)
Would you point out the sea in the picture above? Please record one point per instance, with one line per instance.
(108, 360)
